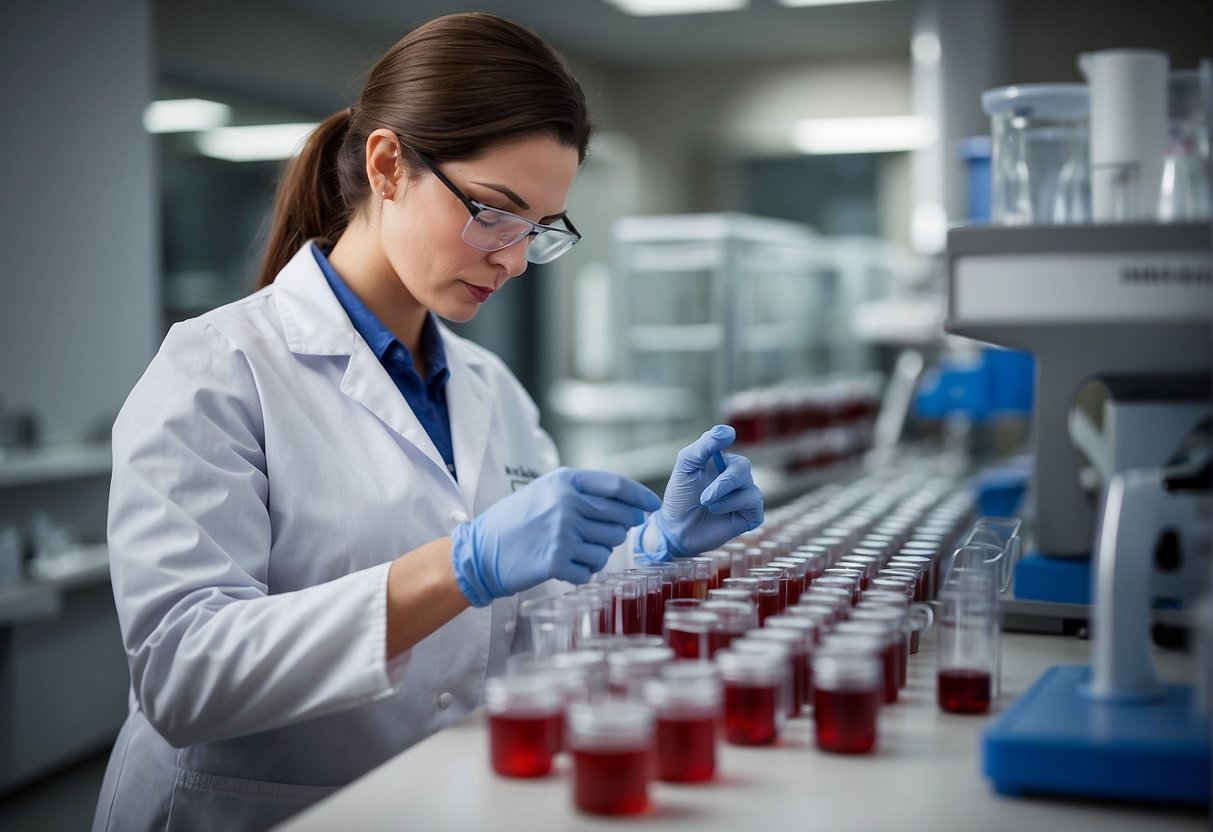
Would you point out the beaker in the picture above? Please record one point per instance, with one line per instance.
(1039, 154)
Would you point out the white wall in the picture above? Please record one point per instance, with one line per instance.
(79, 314)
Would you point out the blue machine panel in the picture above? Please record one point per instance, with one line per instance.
(1056, 740)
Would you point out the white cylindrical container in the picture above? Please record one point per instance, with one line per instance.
(1128, 131)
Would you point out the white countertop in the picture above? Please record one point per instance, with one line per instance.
(924, 776)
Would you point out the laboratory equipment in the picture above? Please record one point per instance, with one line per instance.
(1128, 306)
(692, 634)
(612, 744)
(969, 628)
(846, 700)
(1185, 178)
(524, 718)
(1039, 156)
(1128, 132)
(754, 683)
(687, 702)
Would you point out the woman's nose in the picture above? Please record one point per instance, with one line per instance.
(512, 258)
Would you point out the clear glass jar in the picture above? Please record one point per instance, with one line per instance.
(754, 683)
(687, 699)
(846, 700)
(525, 713)
(612, 746)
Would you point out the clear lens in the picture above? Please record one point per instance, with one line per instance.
(548, 245)
(492, 230)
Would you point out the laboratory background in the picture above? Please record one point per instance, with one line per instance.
(938, 261)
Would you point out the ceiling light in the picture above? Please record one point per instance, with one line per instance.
(653, 8)
(254, 142)
(799, 3)
(876, 134)
(185, 115)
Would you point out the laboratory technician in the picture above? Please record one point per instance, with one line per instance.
(326, 507)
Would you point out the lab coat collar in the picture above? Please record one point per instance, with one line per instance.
(315, 323)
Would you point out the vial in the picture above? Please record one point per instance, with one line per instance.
(846, 700)
(892, 652)
(612, 746)
(654, 604)
(524, 721)
(628, 603)
(766, 593)
(765, 574)
(701, 576)
(754, 710)
(836, 597)
(629, 667)
(798, 576)
(799, 642)
(968, 641)
(687, 700)
(691, 634)
(746, 584)
(733, 618)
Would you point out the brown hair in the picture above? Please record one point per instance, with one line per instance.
(450, 89)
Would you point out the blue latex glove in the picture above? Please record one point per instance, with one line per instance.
(563, 525)
(703, 507)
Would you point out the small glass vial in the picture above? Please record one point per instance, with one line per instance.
(744, 584)
(628, 668)
(654, 603)
(734, 619)
(892, 653)
(629, 596)
(767, 591)
(691, 634)
(968, 641)
(701, 569)
(791, 703)
(800, 642)
(754, 710)
(524, 720)
(724, 594)
(687, 699)
(795, 570)
(846, 700)
(837, 598)
(922, 563)
(612, 745)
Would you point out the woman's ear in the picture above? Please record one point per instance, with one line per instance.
(383, 168)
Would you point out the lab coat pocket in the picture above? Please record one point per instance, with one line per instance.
(209, 801)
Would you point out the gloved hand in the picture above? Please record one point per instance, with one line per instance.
(563, 525)
(703, 509)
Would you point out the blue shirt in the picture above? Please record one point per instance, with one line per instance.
(427, 397)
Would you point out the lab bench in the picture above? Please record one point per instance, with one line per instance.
(925, 774)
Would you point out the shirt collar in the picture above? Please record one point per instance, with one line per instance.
(377, 336)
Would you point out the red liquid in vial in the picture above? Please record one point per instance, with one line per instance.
(699, 589)
(602, 621)
(723, 639)
(686, 645)
(611, 782)
(768, 605)
(630, 622)
(522, 746)
(795, 590)
(653, 613)
(785, 594)
(846, 719)
(749, 714)
(685, 588)
(801, 682)
(667, 592)
(686, 749)
(964, 691)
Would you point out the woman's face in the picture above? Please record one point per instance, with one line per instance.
(422, 223)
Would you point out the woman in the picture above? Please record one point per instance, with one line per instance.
(325, 505)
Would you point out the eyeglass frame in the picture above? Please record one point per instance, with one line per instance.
(474, 207)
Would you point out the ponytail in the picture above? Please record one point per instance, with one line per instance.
(310, 203)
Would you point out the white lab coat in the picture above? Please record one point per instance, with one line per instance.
(266, 472)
